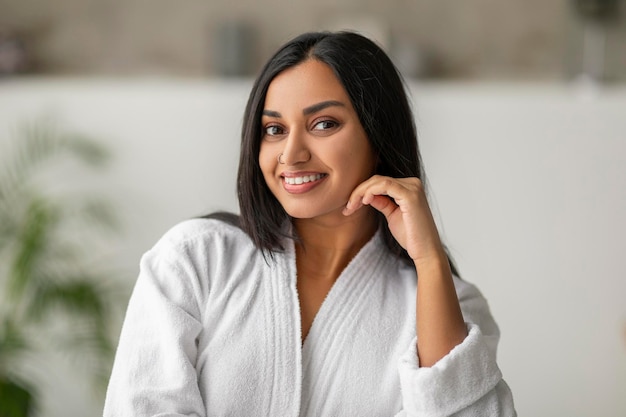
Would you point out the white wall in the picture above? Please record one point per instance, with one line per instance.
(531, 185)
(528, 179)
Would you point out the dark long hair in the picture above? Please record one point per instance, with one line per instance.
(378, 95)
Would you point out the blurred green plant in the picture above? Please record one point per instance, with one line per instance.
(55, 293)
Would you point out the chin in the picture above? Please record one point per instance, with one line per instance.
(314, 212)
(302, 213)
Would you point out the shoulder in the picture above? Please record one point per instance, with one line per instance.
(203, 239)
(200, 230)
(198, 256)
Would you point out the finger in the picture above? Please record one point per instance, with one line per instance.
(358, 199)
(352, 205)
(394, 189)
(384, 204)
(355, 201)
(365, 192)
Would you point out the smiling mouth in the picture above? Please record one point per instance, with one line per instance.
(303, 179)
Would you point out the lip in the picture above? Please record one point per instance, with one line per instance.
(304, 186)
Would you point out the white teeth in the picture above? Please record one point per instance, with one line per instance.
(302, 180)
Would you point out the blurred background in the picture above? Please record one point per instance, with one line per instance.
(119, 119)
(477, 39)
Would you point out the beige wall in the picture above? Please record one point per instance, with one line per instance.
(512, 39)
(537, 39)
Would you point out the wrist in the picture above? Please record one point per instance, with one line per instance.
(433, 261)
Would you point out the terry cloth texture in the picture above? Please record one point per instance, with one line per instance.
(213, 329)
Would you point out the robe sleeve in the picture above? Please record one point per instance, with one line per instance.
(466, 382)
(154, 373)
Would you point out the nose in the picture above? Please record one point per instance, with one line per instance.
(296, 150)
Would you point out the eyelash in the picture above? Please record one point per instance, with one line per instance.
(267, 128)
(332, 123)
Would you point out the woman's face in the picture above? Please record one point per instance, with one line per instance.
(309, 119)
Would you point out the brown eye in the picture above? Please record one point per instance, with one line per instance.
(325, 125)
(273, 130)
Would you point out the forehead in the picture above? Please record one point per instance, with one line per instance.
(304, 84)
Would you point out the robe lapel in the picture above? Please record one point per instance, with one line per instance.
(283, 317)
(325, 351)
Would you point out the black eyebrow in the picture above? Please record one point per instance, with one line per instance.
(321, 106)
(271, 113)
(309, 110)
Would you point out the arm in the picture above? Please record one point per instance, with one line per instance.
(154, 371)
(467, 381)
(439, 322)
(451, 367)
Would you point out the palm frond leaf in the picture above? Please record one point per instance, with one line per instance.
(40, 142)
(47, 239)
(76, 297)
(12, 343)
(18, 397)
(30, 245)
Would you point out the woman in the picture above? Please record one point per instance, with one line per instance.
(331, 294)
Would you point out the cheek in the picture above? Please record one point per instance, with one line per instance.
(369, 160)
(362, 163)
(266, 162)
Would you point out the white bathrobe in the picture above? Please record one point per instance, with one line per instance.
(213, 329)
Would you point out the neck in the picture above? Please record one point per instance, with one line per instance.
(325, 248)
